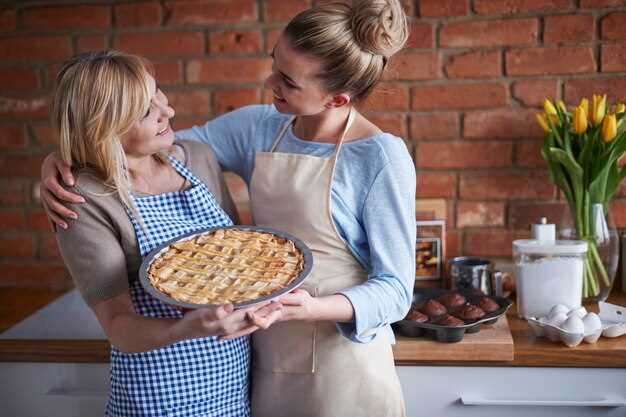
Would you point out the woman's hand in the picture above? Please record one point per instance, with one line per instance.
(259, 318)
(52, 193)
(299, 305)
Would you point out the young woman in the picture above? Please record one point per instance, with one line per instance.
(320, 170)
(112, 121)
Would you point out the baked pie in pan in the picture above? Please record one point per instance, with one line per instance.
(229, 265)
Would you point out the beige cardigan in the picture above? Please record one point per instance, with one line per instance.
(100, 249)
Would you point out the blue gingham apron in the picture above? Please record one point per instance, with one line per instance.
(192, 378)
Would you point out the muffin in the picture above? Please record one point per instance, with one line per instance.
(416, 316)
(470, 312)
(488, 305)
(449, 321)
(433, 308)
(452, 300)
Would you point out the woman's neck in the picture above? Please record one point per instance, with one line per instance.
(326, 126)
(142, 167)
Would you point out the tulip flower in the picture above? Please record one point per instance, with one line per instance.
(609, 128)
(562, 106)
(580, 120)
(620, 108)
(598, 108)
(584, 103)
(549, 108)
(543, 121)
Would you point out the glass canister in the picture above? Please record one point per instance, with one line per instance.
(548, 272)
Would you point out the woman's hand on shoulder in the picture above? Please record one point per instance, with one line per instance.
(53, 195)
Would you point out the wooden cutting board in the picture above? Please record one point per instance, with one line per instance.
(491, 343)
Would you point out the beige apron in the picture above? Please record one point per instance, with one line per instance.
(303, 369)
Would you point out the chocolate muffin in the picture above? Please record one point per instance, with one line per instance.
(416, 316)
(452, 300)
(470, 312)
(449, 321)
(433, 308)
(488, 305)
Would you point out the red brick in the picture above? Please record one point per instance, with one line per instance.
(597, 4)
(475, 65)
(168, 73)
(477, 214)
(506, 186)
(501, 124)
(614, 26)
(190, 102)
(20, 166)
(48, 248)
(159, 44)
(489, 243)
(22, 246)
(239, 41)
(8, 20)
(284, 10)
(91, 43)
(11, 219)
(228, 70)
(452, 155)
(38, 220)
(44, 135)
(437, 126)
(442, 8)
(409, 66)
(67, 17)
(207, 12)
(459, 96)
(523, 214)
(36, 48)
(31, 107)
(387, 97)
(453, 244)
(229, 100)
(185, 122)
(618, 212)
(436, 185)
(531, 93)
(421, 35)
(489, 33)
(613, 87)
(138, 14)
(14, 191)
(48, 276)
(614, 58)
(520, 6)
(12, 137)
(571, 28)
(271, 36)
(391, 123)
(547, 61)
(528, 154)
(18, 79)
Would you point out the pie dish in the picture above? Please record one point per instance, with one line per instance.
(232, 265)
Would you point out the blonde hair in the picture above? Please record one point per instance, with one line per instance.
(98, 98)
(353, 41)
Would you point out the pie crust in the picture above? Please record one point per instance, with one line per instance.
(226, 266)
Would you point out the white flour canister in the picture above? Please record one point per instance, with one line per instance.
(548, 271)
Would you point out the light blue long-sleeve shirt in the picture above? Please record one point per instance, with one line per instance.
(372, 205)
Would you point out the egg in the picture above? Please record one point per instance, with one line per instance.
(558, 319)
(558, 308)
(574, 324)
(580, 312)
(592, 323)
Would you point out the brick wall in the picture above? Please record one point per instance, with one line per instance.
(462, 94)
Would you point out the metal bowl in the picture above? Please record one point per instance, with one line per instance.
(156, 253)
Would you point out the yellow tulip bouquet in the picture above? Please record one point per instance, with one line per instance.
(582, 149)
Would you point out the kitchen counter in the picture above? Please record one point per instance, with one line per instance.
(78, 338)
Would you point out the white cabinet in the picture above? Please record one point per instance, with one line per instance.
(445, 391)
(53, 389)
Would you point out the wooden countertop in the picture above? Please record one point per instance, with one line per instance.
(17, 304)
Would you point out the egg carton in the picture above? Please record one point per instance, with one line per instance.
(612, 324)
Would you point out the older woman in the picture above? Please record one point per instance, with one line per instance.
(112, 121)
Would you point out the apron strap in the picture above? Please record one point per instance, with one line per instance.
(351, 116)
(183, 171)
(281, 133)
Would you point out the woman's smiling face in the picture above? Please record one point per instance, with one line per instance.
(294, 81)
(152, 133)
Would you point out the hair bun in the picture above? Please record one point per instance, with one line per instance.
(379, 26)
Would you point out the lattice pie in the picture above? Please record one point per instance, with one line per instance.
(226, 266)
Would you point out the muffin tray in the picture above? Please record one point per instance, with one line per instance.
(448, 334)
